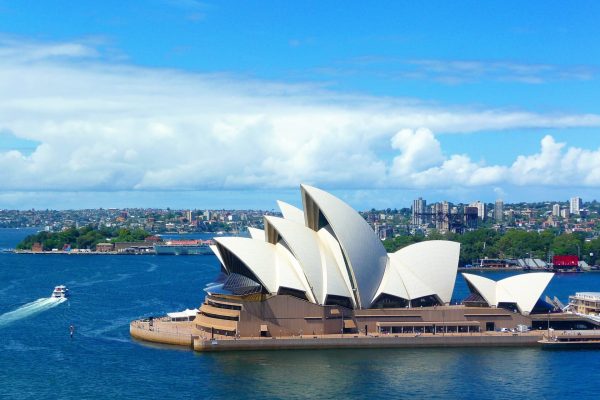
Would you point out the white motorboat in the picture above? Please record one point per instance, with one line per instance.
(60, 292)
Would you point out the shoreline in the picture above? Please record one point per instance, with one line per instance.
(82, 253)
(152, 253)
(94, 253)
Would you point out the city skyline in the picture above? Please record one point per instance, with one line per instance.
(231, 105)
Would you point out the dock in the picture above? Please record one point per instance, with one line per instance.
(571, 340)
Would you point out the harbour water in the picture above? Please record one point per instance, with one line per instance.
(38, 359)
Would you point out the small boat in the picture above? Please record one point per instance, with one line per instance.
(60, 292)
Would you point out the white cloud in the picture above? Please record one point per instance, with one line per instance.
(418, 150)
(553, 165)
(109, 127)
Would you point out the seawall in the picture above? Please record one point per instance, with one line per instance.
(143, 331)
(201, 344)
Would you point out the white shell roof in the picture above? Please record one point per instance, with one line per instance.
(269, 264)
(290, 274)
(317, 262)
(341, 256)
(484, 286)
(256, 233)
(336, 275)
(392, 283)
(215, 250)
(523, 289)
(364, 252)
(290, 212)
(433, 262)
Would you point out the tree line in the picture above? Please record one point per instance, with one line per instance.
(82, 238)
(514, 243)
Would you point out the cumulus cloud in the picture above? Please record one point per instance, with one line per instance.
(103, 126)
(554, 165)
(418, 150)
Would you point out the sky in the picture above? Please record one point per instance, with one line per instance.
(189, 104)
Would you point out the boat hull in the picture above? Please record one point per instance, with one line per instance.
(182, 250)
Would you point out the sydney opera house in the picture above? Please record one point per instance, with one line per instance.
(322, 270)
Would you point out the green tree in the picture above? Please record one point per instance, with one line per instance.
(567, 243)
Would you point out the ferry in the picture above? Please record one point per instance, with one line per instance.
(183, 247)
(60, 292)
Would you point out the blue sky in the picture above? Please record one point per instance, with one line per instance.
(182, 103)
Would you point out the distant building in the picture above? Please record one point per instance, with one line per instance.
(576, 205)
(585, 303)
(471, 217)
(105, 247)
(556, 210)
(443, 216)
(565, 213)
(418, 210)
(481, 209)
(132, 247)
(499, 210)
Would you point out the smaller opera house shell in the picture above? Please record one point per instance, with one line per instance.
(323, 270)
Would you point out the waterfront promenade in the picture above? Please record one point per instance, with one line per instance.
(184, 334)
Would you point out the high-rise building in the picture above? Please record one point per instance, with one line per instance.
(556, 210)
(575, 205)
(443, 216)
(565, 213)
(418, 210)
(481, 211)
(471, 216)
(499, 210)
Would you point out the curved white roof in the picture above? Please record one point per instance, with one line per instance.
(215, 250)
(330, 250)
(268, 263)
(392, 283)
(314, 258)
(364, 253)
(433, 263)
(290, 274)
(256, 233)
(336, 275)
(290, 212)
(484, 286)
(524, 289)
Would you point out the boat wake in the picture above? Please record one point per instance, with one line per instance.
(30, 309)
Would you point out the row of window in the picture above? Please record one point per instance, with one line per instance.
(429, 329)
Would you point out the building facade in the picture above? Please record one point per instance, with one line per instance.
(499, 211)
(419, 209)
(575, 205)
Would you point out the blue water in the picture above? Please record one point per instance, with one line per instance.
(39, 360)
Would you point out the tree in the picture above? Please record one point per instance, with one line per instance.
(567, 243)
